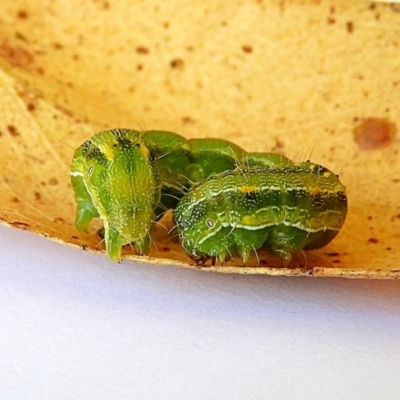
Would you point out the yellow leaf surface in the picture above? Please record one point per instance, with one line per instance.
(296, 77)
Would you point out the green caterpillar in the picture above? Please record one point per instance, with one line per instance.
(129, 178)
(114, 178)
(182, 162)
(287, 208)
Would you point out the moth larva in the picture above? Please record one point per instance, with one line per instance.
(287, 208)
(114, 178)
(181, 162)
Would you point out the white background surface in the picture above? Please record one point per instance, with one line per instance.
(76, 326)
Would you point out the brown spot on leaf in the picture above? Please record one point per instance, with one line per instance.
(142, 50)
(64, 110)
(373, 240)
(105, 5)
(22, 14)
(350, 27)
(20, 36)
(374, 133)
(247, 48)
(13, 130)
(188, 120)
(278, 145)
(177, 63)
(16, 56)
(333, 254)
(395, 8)
(53, 181)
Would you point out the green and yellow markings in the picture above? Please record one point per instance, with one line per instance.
(286, 209)
(114, 178)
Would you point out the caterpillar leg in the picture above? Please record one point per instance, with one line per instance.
(284, 254)
(248, 242)
(201, 261)
(114, 243)
(245, 254)
(142, 245)
(286, 240)
(85, 210)
(83, 217)
(222, 257)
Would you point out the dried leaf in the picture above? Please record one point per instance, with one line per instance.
(295, 77)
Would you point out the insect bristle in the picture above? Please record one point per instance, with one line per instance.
(172, 229)
(159, 157)
(66, 144)
(242, 172)
(99, 243)
(187, 179)
(175, 236)
(160, 224)
(257, 257)
(169, 183)
(171, 195)
(152, 242)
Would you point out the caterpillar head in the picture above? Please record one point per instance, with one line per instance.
(114, 178)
